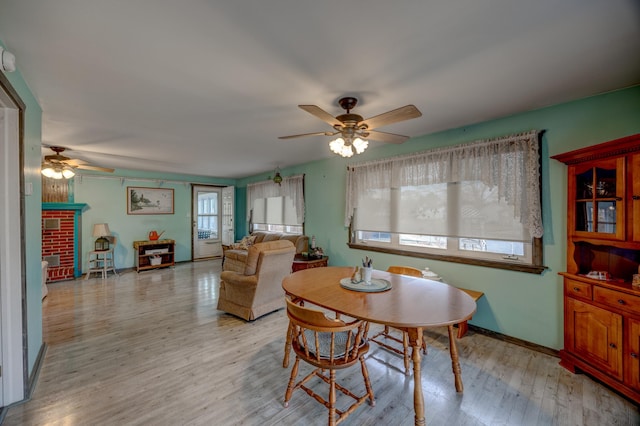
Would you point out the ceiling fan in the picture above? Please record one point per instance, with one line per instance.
(353, 130)
(58, 166)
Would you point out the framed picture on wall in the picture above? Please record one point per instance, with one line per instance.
(143, 200)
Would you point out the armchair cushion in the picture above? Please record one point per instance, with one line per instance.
(258, 290)
(253, 255)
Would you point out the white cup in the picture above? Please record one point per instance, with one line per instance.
(366, 274)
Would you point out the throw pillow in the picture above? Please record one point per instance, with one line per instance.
(245, 243)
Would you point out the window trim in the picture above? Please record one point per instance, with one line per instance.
(511, 266)
(452, 249)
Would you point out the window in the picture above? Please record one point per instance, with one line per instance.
(208, 217)
(474, 201)
(274, 207)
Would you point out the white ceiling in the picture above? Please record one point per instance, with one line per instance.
(206, 87)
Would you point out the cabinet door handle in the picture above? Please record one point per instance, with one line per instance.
(634, 355)
(576, 289)
(621, 302)
(635, 197)
(612, 345)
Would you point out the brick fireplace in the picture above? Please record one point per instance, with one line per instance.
(61, 237)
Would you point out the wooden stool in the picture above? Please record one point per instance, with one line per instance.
(463, 326)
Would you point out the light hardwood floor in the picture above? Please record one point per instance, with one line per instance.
(151, 349)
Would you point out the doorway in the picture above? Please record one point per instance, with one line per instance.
(207, 222)
(13, 350)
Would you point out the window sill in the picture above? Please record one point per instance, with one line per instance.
(518, 267)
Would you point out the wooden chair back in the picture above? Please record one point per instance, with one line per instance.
(328, 344)
(340, 343)
(405, 270)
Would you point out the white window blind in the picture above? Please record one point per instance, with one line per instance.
(277, 204)
(485, 189)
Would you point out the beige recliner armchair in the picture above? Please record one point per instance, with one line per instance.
(257, 291)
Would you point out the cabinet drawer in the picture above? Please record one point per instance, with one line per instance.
(577, 289)
(616, 299)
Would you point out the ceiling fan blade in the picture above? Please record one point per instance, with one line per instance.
(406, 112)
(386, 137)
(321, 114)
(96, 168)
(308, 134)
(74, 162)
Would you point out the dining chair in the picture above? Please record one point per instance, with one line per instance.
(327, 344)
(385, 335)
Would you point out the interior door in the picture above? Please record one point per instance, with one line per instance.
(228, 202)
(207, 235)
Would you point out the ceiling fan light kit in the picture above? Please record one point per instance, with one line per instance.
(345, 148)
(353, 131)
(57, 171)
(60, 167)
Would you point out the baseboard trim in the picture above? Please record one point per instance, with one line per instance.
(515, 341)
(31, 385)
(33, 378)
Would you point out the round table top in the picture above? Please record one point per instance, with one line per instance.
(411, 302)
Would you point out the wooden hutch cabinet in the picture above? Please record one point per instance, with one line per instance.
(601, 307)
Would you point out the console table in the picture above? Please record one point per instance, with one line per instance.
(154, 254)
(300, 262)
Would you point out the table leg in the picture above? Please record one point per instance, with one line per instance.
(415, 340)
(455, 362)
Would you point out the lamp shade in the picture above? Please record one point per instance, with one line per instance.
(101, 230)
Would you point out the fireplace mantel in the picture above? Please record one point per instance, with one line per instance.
(65, 206)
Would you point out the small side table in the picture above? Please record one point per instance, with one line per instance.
(300, 262)
(101, 261)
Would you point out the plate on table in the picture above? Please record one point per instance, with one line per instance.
(377, 285)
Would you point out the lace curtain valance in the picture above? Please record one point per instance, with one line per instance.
(292, 187)
(509, 166)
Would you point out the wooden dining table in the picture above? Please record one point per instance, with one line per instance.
(411, 304)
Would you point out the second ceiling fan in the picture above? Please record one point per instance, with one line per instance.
(353, 130)
(58, 166)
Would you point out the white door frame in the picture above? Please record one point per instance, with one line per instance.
(228, 211)
(207, 247)
(13, 346)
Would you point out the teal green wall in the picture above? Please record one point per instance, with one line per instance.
(522, 305)
(32, 215)
(107, 203)
(241, 225)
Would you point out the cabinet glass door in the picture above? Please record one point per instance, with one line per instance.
(599, 204)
